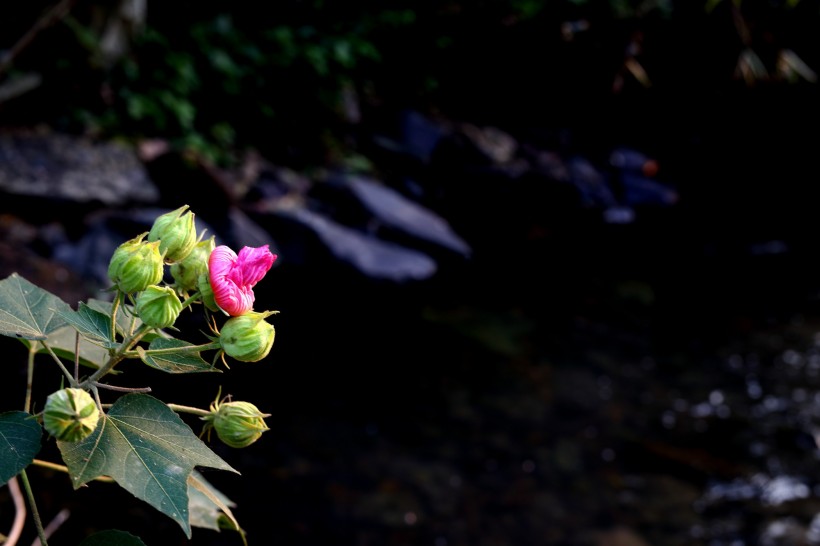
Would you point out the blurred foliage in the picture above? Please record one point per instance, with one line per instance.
(298, 80)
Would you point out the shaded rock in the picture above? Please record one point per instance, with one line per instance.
(369, 255)
(56, 166)
(396, 211)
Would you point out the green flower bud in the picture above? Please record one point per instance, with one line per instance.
(158, 306)
(70, 415)
(248, 337)
(207, 293)
(186, 273)
(136, 265)
(238, 424)
(176, 234)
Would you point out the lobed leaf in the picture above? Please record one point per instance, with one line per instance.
(27, 311)
(183, 361)
(63, 342)
(93, 325)
(148, 450)
(20, 436)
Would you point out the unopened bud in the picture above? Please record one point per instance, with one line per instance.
(248, 337)
(238, 424)
(176, 234)
(158, 306)
(70, 415)
(136, 265)
(207, 293)
(186, 273)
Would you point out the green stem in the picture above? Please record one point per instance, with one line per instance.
(175, 350)
(188, 409)
(61, 468)
(41, 532)
(62, 367)
(29, 380)
(118, 355)
(115, 306)
(197, 296)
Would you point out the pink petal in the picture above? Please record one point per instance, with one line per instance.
(233, 276)
(254, 263)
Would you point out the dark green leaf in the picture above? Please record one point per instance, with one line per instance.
(112, 538)
(92, 325)
(20, 437)
(148, 450)
(27, 311)
(175, 362)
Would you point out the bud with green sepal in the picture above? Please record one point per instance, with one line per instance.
(186, 272)
(70, 415)
(136, 265)
(237, 424)
(176, 233)
(248, 337)
(158, 306)
(206, 292)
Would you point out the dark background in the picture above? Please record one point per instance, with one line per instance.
(571, 381)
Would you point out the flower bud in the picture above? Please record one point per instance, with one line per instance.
(176, 234)
(158, 306)
(207, 293)
(136, 265)
(248, 337)
(186, 273)
(238, 424)
(70, 415)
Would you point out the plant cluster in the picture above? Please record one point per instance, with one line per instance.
(134, 439)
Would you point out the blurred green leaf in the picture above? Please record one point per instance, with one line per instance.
(20, 435)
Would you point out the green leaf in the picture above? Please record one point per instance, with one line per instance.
(148, 450)
(20, 437)
(207, 505)
(175, 362)
(92, 324)
(27, 311)
(127, 321)
(124, 316)
(112, 538)
(63, 341)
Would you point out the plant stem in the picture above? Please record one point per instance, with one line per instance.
(19, 513)
(197, 296)
(61, 468)
(188, 409)
(121, 389)
(61, 365)
(118, 355)
(115, 306)
(35, 515)
(174, 350)
(29, 380)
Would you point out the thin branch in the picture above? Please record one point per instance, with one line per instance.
(77, 357)
(53, 15)
(35, 515)
(62, 468)
(53, 525)
(121, 389)
(19, 513)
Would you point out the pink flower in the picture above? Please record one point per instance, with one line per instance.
(233, 277)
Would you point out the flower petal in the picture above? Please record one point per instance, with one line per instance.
(254, 263)
(233, 276)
